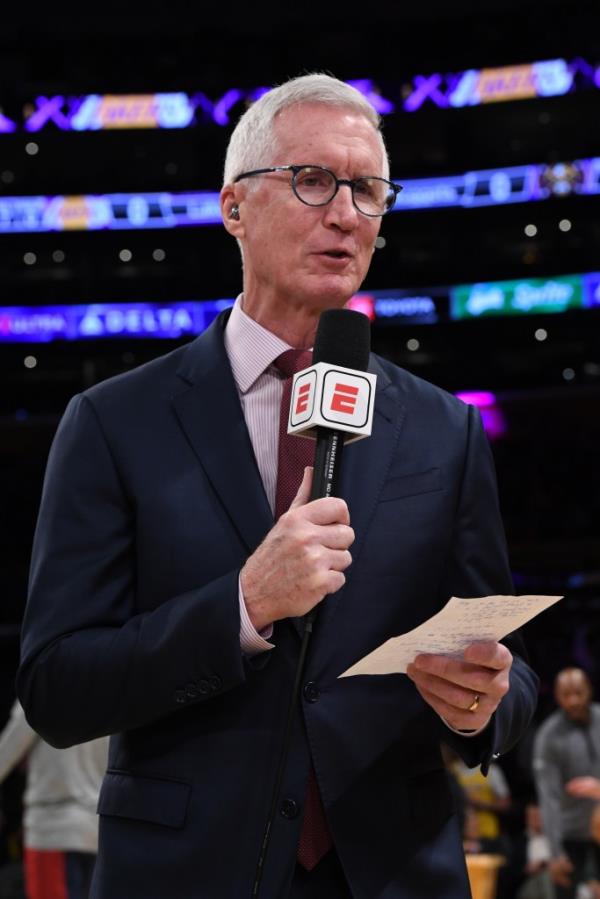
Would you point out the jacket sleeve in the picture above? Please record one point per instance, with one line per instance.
(92, 664)
(478, 566)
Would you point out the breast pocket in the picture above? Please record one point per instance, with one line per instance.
(428, 481)
(410, 527)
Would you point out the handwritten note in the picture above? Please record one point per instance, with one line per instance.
(450, 631)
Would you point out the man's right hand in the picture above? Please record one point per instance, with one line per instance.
(560, 869)
(301, 559)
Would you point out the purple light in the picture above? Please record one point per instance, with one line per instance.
(492, 417)
(479, 398)
(48, 109)
(257, 93)
(218, 111)
(366, 87)
(7, 126)
(222, 107)
(494, 422)
(426, 88)
(201, 101)
(582, 65)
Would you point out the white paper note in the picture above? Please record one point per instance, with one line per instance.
(451, 630)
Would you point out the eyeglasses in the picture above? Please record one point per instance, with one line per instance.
(317, 186)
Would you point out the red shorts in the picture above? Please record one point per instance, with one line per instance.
(57, 875)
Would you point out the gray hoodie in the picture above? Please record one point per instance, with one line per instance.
(62, 786)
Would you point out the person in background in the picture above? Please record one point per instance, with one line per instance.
(60, 824)
(538, 883)
(595, 832)
(489, 799)
(567, 747)
(584, 787)
(589, 787)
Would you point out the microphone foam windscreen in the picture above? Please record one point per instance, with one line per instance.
(343, 338)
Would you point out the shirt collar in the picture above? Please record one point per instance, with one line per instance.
(250, 347)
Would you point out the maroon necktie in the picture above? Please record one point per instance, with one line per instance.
(295, 453)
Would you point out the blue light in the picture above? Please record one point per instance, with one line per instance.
(42, 324)
(591, 290)
(126, 211)
(417, 309)
(171, 320)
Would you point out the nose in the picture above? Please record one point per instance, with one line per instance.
(341, 212)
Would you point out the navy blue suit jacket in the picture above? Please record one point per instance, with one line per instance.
(151, 504)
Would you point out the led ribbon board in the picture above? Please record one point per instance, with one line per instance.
(171, 320)
(529, 296)
(112, 212)
(548, 78)
(453, 90)
(43, 324)
(139, 211)
(98, 112)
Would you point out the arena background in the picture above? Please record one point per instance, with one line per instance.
(486, 282)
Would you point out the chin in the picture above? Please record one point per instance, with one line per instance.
(335, 292)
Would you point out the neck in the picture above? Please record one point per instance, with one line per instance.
(294, 322)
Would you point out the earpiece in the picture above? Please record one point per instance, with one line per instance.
(234, 213)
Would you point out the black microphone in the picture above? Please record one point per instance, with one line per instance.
(343, 338)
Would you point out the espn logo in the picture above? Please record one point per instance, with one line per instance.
(330, 396)
(344, 398)
(302, 399)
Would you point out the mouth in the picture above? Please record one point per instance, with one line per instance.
(339, 255)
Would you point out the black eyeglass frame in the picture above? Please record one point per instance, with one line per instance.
(296, 169)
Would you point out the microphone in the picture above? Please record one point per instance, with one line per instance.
(343, 339)
(333, 399)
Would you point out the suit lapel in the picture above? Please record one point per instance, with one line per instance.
(364, 470)
(210, 414)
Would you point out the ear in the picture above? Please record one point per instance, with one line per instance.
(231, 199)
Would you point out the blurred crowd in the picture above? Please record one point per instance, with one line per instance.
(536, 824)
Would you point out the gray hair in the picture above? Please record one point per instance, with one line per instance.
(252, 142)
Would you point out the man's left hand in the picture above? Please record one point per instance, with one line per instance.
(465, 692)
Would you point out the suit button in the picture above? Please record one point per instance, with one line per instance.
(191, 691)
(289, 809)
(179, 696)
(215, 682)
(203, 687)
(311, 691)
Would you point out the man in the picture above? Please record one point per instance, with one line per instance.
(166, 602)
(60, 826)
(566, 757)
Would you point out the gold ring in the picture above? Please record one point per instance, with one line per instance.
(474, 704)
